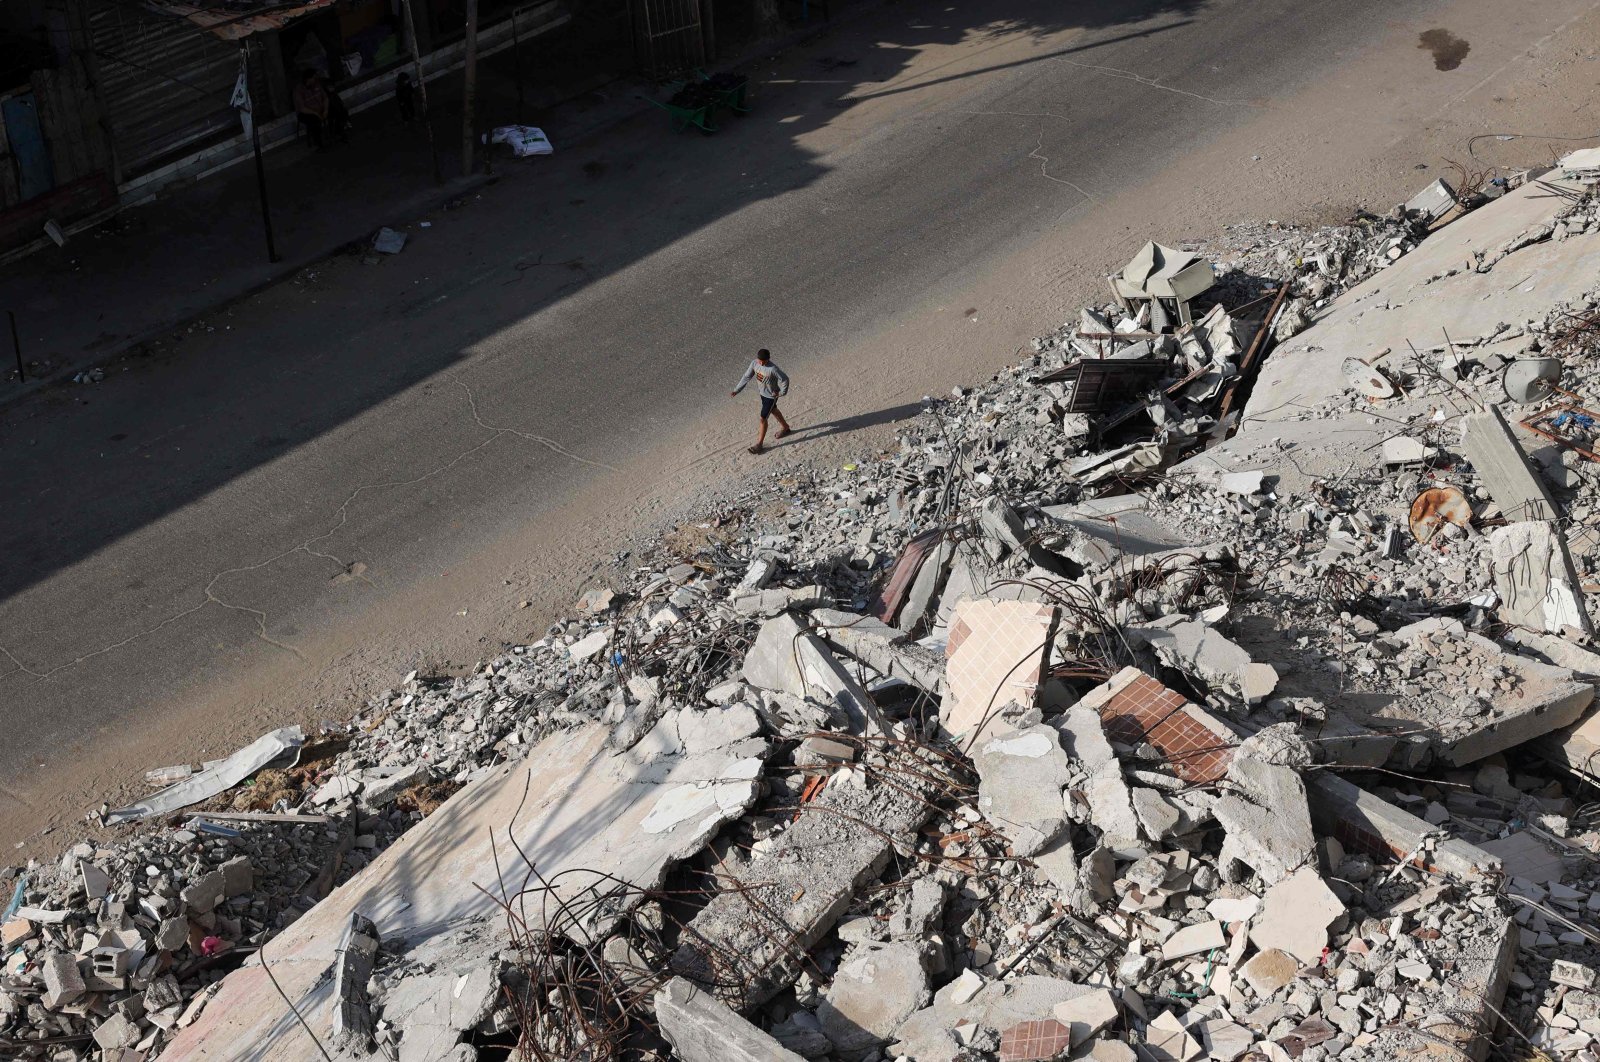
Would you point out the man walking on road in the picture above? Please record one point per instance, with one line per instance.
(774, 385)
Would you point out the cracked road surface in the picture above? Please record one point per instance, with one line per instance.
(371, 468)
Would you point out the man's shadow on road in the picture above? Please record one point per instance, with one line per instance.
(813, 432)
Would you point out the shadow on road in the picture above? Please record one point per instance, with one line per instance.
(84, 467)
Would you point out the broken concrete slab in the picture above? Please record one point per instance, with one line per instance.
(1545, 699)
(875, 989)
(1265, 818)
(572, 807)
(1197, 649)
(751, 940)
(887, 650)
(1503, 467)
(1535, 578)
(702, 1028)
(1106, 792)
(996, 654)
(1021, 776)
(788, 658)
(1099, 531)
(1295, 916)
(1364, 822)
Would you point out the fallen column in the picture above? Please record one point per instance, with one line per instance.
(752, 939)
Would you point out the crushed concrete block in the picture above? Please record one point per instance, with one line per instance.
(775, 602)
(1535, 578)
(1106, 793)
(995, 655)
(1269, 970)
(1574, 975)
(1021, 775)
(352, 1025)
(790, 659)
(701, 1028)
(1243, 483)
(63, 981)
(238, 876)
(205, 893)
(15, 932)
(875, 989)
(117, 1032)
(1295, 916)
(752, 941)
(1487, 441)
(1194, 648)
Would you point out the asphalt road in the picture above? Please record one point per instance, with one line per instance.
(372, 467)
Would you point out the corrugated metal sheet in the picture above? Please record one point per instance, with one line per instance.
(166, 83)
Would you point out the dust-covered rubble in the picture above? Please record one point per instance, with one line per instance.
(1055, 731)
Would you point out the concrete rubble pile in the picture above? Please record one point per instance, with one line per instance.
(1071, 727)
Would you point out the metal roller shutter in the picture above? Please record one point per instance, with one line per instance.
(166, 83)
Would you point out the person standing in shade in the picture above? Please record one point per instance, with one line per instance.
(774, 385)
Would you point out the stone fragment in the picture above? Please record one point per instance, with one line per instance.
(701, 1028)
(1193, 940)
(1295, 916)
(116, 1032)
(1166, 1040)
(205, 893)
(1087, 1015)
(1193, 647)
(1158, 818)
(1265, 818)
(875, 989)
(1021, 775)
(1269, 970)
(1106, 793)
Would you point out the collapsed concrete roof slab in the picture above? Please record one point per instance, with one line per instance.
(1413, 299)
(1546, 698)
(578, 813)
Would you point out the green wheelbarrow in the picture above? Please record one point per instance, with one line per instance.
(690, 103)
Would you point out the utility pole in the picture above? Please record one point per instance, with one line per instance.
(469, 93)
(248, 111)
(422, 89)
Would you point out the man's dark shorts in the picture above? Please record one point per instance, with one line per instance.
(766, 406)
